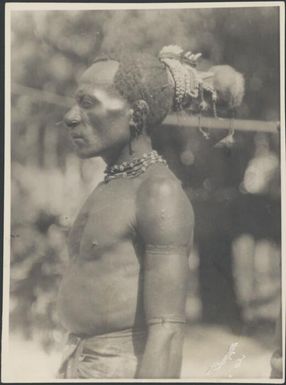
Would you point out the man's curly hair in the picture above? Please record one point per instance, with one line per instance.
(141, 76)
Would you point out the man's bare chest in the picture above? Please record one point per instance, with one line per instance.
(105, 220)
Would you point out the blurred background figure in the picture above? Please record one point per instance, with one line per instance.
(235, 278)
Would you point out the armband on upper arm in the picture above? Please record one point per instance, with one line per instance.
(166, 249)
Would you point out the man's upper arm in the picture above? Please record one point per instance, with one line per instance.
(165, 222)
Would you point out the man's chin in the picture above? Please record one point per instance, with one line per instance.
(86, 154)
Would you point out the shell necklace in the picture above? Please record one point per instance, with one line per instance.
(134, 167)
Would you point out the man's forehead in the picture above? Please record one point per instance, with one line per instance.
(96, 89)
(100, 73)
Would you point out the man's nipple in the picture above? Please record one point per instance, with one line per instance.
(94, 243)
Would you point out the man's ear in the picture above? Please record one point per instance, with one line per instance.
(132, 128)
(141, 112)
(141, 108)
(130, 115)
(138, 117)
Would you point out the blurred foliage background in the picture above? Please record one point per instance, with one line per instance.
(235, 265)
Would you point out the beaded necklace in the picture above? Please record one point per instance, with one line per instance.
(133, 168)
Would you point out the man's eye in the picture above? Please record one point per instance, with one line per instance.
(86, 102)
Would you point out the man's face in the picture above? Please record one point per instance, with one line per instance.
(98, 123)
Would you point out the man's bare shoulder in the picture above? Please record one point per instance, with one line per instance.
(161, 183)
(163, 208)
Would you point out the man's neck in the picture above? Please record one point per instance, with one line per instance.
(130, 151)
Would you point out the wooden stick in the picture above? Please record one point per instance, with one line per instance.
(181, 119)
(220, 123)
(40, 96)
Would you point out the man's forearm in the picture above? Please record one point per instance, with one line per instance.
(163, 352)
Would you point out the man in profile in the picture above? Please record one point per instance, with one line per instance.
(122, 297)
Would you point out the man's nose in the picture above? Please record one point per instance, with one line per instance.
(72, 117)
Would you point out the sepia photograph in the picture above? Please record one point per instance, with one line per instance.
(144, 193)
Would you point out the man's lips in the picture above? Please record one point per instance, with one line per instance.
(75, 135)
(77, 138)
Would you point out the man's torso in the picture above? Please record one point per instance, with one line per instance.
(101, 290)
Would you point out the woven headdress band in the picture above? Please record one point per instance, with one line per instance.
(188, 81)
